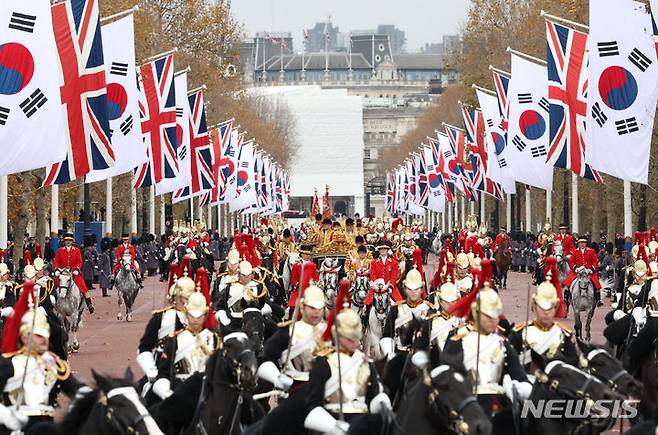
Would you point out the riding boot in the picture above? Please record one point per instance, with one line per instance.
(597, 298)
(90, 305)
(105, 295)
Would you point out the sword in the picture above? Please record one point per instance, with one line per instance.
(21, 393)
(477, 352)
(340, 374)
(525, 330)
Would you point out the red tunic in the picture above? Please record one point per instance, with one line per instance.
(120, 251)
(71, 258)
(567, 243)
(389, 273)
(310, 274)
(589, 260)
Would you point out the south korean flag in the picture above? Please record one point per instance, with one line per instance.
(31, 117)
(623, 89)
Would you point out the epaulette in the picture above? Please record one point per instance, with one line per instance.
(564, 328)
(162, 310)
(401, 302)
(431, 305)
(432, 316)
(284, 324)
(325, 352)
(10, 354)
(458, 337)
(63, 368)
(520, 326)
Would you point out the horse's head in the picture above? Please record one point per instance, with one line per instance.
(237, 350)
(574, 384)
(381, 301)
(124, 411)
(600, 363)
(558, 250)
(126, 261)
(452, 405)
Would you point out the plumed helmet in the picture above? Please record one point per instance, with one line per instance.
(652, 247)
(4, 269)
(463, 260)
(640, 268)
(29, 271)
(184, 287)
(314, 297)
(489, 302)
(413, 280)
(349, 325)
(233, 257)
(449, 291)
(245, 268)
(41, 326)
(38, 264)
(546, 296)
(196, 305)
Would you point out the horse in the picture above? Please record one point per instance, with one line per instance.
(436, 244)
(376, 318)
(359, 290)
(69, 306)
(582, 299)
(557, 380)
(127, 287)
(286, 273)
(113, 408)
(503, 262)
(440, 402)
(328, 275)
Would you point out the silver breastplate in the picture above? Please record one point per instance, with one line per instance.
(491, 361)
(355, 374)
(302, 347)
(192, 352)
(40, 379)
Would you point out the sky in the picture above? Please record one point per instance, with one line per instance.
(424, 21)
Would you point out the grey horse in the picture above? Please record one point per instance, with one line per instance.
(69, 306)
(377, 313)
(127, 287)
(359, 290)
(582, 300)
(329, 279)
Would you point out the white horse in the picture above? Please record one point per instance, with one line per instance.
(359, 290)
(328, 276)
(293, 257)
(436, 243)
(69, 306)
(563, 267)
(582, 299)
(127, 287)
(381, 304)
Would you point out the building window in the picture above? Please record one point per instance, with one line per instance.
(366, 154)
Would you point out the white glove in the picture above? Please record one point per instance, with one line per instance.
(341, 428)
(266, 310)
(380, 404)
(320, 420)
(52, 300)
(12, 419)
(57, 273)
(523, 389)
(640, 316)
(283, 382)
(6, 312)
(76, 272)
(162, 388)
(222, 317)
(147, 364)
(618, 314)
(420, 359)
(388, 347)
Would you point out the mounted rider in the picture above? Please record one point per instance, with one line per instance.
(464, 277)
(585, 257)
(284, 248)
(187, 351)
(69, 256)
(501, 237)
(409, 255)
(7, 291)
(310, 274)
(386, 268)
(127, 250)
(228, 276)
(265, 245)
(358, 265)
(566, 240)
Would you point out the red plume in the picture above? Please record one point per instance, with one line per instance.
(13, 322)
(449, 247)
(551, 267)
(27, 258)
(637, 237)
(184, 267)
(653, 235)
(418, 261)
(642, 255)
(202, 284)
(173, 275)
(462, 307)
(342, 301)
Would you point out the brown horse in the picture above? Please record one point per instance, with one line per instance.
(503, 261)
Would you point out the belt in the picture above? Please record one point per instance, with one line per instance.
(352, 407)
(37, 411)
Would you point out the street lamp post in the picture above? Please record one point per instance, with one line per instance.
(85, 213)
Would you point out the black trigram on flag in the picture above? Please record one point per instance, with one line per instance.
(4, 115)
(609, 48)
(544, 104)
(639, 60)
(22, 22)
(518, 142)
(32, 103)
(598, 115)
(626, 126)
(244, 165)
(447, 154)
(127, 125)
(538, 151)
(247, 188)
(119, 69)
(182, 152)
(179, 112)
(490, 123)
(502, 162)
(430, 168)
(525, 98)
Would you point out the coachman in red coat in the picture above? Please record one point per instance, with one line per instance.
(387, 268)
(124, 247)
(584, 257)
(70, 256)
(566, 239)
(310, 275)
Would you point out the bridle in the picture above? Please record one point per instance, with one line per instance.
(130, 394)
(455, 416)
(612, 382)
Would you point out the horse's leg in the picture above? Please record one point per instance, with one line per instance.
(75, 320)
(590, 314)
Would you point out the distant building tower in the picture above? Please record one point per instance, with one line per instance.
(396, 37)
(317, 36)
(374, 48)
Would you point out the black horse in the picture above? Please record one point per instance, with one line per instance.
(113, 408)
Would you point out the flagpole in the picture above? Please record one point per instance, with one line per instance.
(108, 205)
(544, 14)
(54, 210)
(4, 210)
(527, 56)
(528, 211)
(183, 71)
(575, 227)
(152, 209)
(549, 206)
(482, 208)
(485, 90)
(195, 90)
(160, 56)
(120, 14)
(133, 206)
(508, 212)
(628, 217)
(499, 71)
(162, 215)
(463, 211)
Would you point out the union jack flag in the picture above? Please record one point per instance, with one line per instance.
(83, 94)
(654, 21)
(422, 194)
(458, 164)
(567, 97)
(201, 164)
(390, 193)
(221, 137)
(501, 83)
(475, 133)
(157, 109)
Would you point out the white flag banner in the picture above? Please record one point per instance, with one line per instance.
(622, 92)
(231, 154)
(245, 189)
(437, 199)
(122, 98)
(32, 128)
(497, 168)
(412, 205)
(527, 134)
(184, 177)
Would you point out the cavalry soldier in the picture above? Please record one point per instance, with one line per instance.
(127, 250)
(164, 323)
(284, 248)
(441, 322)
(69, 256)
(464, 278)
(7, 291)
(228, 276)
(489, 360)
(372, 238)
(293, 348)
(353, 392)
(310, 275)
(566, 239)
(585, 257)
(244, 294)
(409, 255)
(35, 374)
(642, 346)
(500, 238)
(386, 268)
(188, 350)
(544, 335)
(266, 247)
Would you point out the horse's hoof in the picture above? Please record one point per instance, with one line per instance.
(119, 316)
(129, 318)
